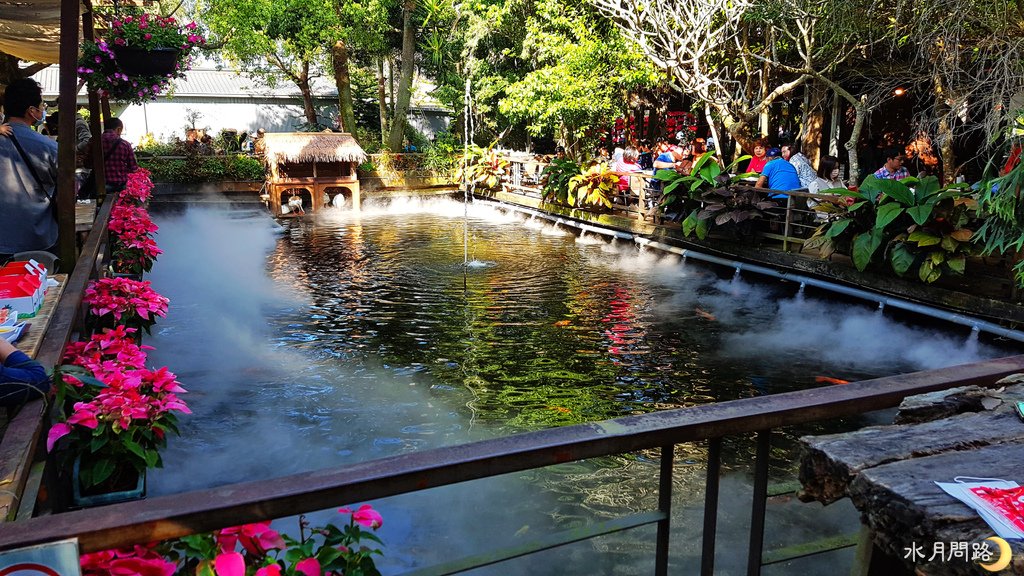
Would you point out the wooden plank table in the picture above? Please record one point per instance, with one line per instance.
(85, 215)
(33, 336)
(889, 473)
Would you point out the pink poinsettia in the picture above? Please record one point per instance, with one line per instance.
(127, 301)
(112, 350)
(256, 538)
(134, 561)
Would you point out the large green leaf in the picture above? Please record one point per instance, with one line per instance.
(921, 213)
(838, 227)
(864, 248)
(710, 171)
(923, 238)
(927, 187)
(702, 229)
(957, 263)
(690, 223)
(887, 213)
(901, 258)
(898, 191)
(928, 272)
(666, 175)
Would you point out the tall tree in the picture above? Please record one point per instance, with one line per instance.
(401, 118)
(273, 40)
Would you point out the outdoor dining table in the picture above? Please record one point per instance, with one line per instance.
(889, 473)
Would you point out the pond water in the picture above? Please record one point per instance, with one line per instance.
(362, 335)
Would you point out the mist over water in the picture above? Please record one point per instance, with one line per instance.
(363, 335)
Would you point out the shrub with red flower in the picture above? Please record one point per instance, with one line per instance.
(121, 423)
(137, 560)
(259, 550)
(138, 189)
(123, 301)
(131, 228)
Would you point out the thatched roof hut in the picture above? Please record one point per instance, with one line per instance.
(306, 147)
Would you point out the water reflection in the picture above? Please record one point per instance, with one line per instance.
(359, 336)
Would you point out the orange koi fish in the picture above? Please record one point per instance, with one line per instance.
(830, 380)
(560, 409)
(562, 323)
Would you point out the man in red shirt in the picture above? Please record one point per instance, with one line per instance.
(118, 156)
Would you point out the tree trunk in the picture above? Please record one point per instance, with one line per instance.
(944, 133)
(382, 101)
(391, 87)
(401, 118)
(307, 95)
(339, 57)
(860, 110)
(815, 115)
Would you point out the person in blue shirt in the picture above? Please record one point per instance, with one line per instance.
(778, 174)
(21, 378)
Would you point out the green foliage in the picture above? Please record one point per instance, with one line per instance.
(924, 229)
(594, 186)
(709, 195)
(481, 166)
(555, 179)
(442, 154)
(196, 169)
(1003, 229)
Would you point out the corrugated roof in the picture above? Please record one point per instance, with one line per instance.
(213, 83)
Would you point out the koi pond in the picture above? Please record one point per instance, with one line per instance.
(362, 335)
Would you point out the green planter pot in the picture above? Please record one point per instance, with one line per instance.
(80, 500)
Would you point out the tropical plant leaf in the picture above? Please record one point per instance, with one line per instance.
(723, 218)
(887, 213)
(922, 238)
(702, 229)
(921, 213)
(900, 258)
(838, 227)
(928, 273)
(957, 264)
(710, 171)
(962, 235)
(927, 187)
(898, 191)
(690, 223)
(937, 257)
(864, 247)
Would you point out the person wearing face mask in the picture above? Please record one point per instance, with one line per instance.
(827, 179)
(28, 174)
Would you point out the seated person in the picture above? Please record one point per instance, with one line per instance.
(791, 152)
(893, 168)
(625, 166)
(21, 378)
(759, 157)
(778, 174)
(665, 160)
(827, 179)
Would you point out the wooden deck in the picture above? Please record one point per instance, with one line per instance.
(889, 473)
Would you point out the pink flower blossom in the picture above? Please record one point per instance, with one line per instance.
(272, 570)
(308, 567)
(229, 564)
(57, 431)
(368, 517)
(147, 36)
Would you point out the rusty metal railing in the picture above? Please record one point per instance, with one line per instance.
(178, 515)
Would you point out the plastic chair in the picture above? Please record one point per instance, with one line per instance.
(45, 258)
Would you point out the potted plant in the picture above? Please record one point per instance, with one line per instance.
(114, 417)
(123, 301)
(138, 58)
(594, 186)
(133, 248)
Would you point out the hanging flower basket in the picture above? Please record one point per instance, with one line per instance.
(147, 61)
(138, 57)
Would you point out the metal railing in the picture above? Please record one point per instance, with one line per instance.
(178, 515)
(20, 471)
(791, 222)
